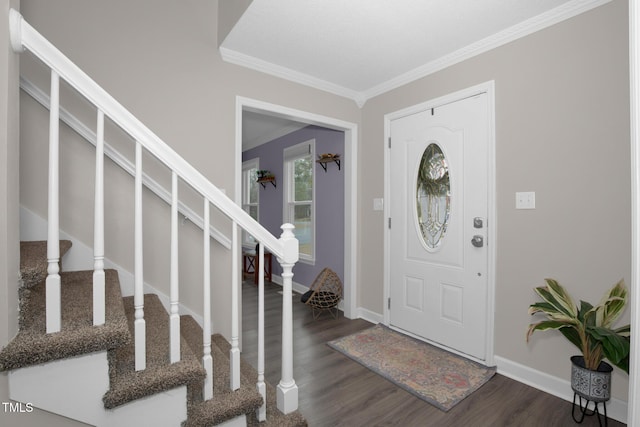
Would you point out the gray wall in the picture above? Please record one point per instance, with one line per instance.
(562, 130)
(161, 63)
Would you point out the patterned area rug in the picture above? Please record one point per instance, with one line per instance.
(441, 378)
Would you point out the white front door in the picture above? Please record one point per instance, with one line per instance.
(438, 237)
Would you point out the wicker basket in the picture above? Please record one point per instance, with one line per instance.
(324, 294)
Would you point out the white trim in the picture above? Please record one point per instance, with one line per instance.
(489, 89)
(351, 179)
(616, 409)
(246, 166)
(561, 13)
(289, 154)
(81, 129)
(370, 316)
(262, 66)
(634, 72)
(554, 16)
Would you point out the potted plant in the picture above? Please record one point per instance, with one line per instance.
(591, 329)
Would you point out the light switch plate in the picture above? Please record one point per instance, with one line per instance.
(378, 204)
(525, 200)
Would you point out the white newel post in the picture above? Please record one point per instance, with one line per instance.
(98, 228)
(261, 412)
(138, 296)
(53, 309)
(207, 360)
(234, 352)
(174, 318)
(287, 395)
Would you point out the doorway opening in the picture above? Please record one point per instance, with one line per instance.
(348, 168)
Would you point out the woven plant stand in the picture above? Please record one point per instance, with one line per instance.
(324, 294)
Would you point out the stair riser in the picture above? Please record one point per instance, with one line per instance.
(74, 388)
(70, 387)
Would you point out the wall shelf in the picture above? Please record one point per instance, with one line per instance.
(263, 181)
(324, 160)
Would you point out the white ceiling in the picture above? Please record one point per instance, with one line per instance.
(259, 128)
(362, 48)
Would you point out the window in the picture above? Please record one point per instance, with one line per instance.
(298, 197)
(250, 194)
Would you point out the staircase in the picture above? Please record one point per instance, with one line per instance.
(85, 352)
(87, 372)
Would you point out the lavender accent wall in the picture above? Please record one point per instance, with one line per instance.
(329, 199)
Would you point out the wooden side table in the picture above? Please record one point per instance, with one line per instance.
(251, 265)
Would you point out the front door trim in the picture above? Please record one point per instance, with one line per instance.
(489, 89)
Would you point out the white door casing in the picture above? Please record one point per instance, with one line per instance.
(443, 294)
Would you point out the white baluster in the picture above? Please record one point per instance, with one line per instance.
(53, 309)
(207, 361)
(98, 228)
(261, 412)
(138, 297)
(234, 352)
(174, 318)
(287, 394)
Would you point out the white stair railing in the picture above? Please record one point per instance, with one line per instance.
(98, 228)
(54, 311)
(174, 330)
(23, 37)
(261, 413)
(207, 361)
(138, 281)
(234, 353)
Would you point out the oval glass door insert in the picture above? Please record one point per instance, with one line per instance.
(433, 196)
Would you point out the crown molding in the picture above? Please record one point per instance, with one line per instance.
(247, 61)
(554, 16)
(515, 32)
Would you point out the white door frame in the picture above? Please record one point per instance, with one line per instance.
(350, 158)
(633, 411)
(488, 88)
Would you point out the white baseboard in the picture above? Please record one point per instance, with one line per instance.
(616, 409)
(369, 316)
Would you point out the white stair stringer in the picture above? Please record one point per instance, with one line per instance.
(74, 388)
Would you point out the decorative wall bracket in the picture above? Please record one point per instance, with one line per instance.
(265, 176)
(328, 158)
(271, 179)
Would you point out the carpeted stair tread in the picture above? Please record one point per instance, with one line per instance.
(33, 261)
(159, 375)
(206, 413)
(274, 416)
(77, 335)
(226, 404)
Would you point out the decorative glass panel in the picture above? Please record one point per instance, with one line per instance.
(433, 196)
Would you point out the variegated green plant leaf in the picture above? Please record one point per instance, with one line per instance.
(546, 295)
(562, 296)
(551, 311)
(573, 336)
(544, 325)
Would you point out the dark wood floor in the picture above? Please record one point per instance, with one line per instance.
(336, 391)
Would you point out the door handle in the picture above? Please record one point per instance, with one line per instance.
(477, 241)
